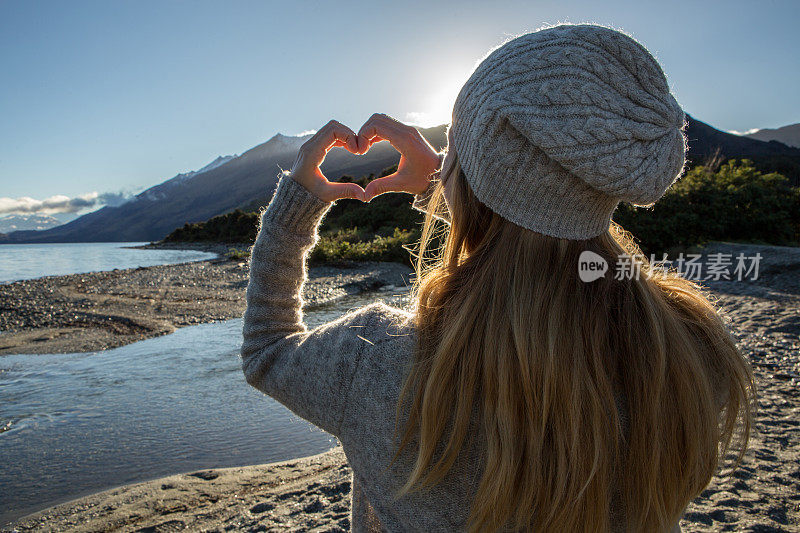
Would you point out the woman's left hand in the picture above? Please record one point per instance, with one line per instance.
(418, 160)
(306, 169)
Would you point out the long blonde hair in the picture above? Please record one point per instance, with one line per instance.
(619, 393)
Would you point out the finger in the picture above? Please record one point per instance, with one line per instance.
(374, 128)
(375, 139)
(383, 185)
(385, 128)
(318, 146)
(344, 135)
(394, 124)
(364, 143)
(336, 191)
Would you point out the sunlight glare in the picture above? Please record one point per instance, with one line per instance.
(438, 103)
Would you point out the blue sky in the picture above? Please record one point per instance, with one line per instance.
(102, 97)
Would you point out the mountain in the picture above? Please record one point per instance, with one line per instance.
(163, 190)
(707, 144)
(218, 162)
(27, 222)
(248, 179)
(788, 135)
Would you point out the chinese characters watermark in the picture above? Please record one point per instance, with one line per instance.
(717, 266)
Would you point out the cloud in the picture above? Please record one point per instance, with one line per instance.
(418, 118)
(114, 199)
(61, 203)
(748, 132)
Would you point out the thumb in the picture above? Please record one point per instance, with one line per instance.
(339, 191)
(391, 183)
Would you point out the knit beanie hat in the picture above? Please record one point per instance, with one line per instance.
(556, 127)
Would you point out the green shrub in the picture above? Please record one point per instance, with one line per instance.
(353, 245)
(735, 203)
(380, 216)
(237, 254)
(236, 226)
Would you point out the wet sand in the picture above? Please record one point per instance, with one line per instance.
(312, 494)
(308, 494)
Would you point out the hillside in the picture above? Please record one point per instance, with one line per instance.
(247, 182)
(788, 135)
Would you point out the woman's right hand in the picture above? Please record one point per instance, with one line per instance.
(418, 159)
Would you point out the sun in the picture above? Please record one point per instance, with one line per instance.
(437, 107)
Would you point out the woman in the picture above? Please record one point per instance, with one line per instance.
(514, 395)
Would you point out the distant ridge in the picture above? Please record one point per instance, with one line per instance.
(249, 179)
(788, 135)
(707, 143)
(33, 221)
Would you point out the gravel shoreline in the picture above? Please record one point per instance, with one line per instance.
(100, 310)
(312, 494)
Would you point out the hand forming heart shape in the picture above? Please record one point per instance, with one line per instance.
(418, 159)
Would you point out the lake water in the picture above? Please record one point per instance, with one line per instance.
(28, 261)
(75, 424)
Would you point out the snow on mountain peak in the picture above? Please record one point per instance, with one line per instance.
(288, 141)
(218, 162)
(22, 222)
(278, 144)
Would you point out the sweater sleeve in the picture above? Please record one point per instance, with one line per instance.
(310, 372)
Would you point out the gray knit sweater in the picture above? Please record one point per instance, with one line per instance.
(344, 376)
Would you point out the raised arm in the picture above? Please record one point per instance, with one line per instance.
(310, 372)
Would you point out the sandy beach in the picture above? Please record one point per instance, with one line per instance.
(312, 494)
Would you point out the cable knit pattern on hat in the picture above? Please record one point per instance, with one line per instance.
(556, 127)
